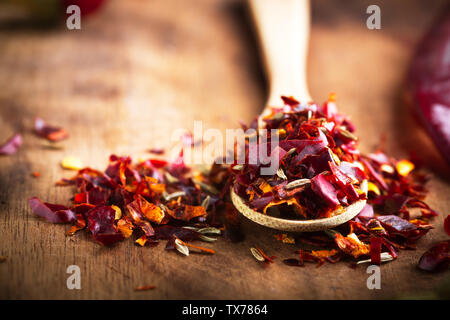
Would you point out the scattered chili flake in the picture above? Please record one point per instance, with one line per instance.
(141, 240)
(49, 132)
(321, 171)
(319, 166)
(437, 258)
(145, 288)
(351, 245)
(129, 199)
(36, 174)
(404, 167)
(11, 145)
(447, 225)
(54, 213)
(284, 238)
(71, 163)
(375, 250)
(156, 151)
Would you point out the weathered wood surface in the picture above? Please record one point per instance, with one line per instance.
(141, 69)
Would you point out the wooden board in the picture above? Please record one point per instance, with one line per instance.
(141, 69)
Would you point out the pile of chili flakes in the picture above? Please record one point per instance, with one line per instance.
(152, 200)
(321, 171)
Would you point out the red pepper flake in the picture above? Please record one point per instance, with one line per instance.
(49, 132)
(145, 288)
(54, 213)
(128, 199)
(321, 171)
(447, 225)
(375, 250)
(284, 238)
(437, 258)
(351, 245)
(11, 145)
(156, 151)
(36, 174)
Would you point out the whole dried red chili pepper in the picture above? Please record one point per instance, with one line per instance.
(429, 84)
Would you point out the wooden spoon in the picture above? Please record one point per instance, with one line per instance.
(283, 28)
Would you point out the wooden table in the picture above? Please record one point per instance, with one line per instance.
(141, 69)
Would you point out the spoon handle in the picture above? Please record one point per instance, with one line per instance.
(283, 29)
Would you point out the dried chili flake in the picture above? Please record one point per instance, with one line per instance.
(351, 245)
(447, 225)
(141, 240)
(36, 174)
(311, 150)
(130, 199)
(437, 258)
(404, 167)
(321, 171)
(188, 212)
(150, 211)
(375, 250)
(398, 226)
(125, 226)
(324, 189)
(54, 213)
(48, 132)
(156, 151)
(71, 163)
(285, 238)
(12, 145)
(331, 256)
(318, 256)
(101, 224)
(145, 288)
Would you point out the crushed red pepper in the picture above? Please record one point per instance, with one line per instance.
(49, 132)
(145, 288)
(12, 145)
(36, 174)
(320, 159)
(447, 225)
(437, 258)
(320, 169)
(160, 200)
(137, 199)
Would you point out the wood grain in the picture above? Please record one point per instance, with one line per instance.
(141, 69)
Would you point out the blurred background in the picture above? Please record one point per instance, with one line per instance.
(137, 70)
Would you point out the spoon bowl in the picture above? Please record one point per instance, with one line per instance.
(339, 218)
